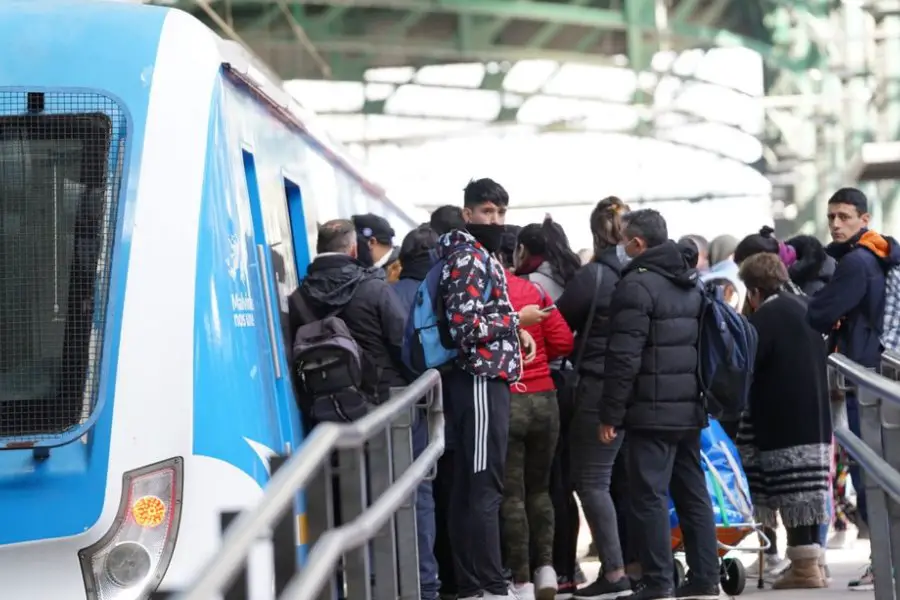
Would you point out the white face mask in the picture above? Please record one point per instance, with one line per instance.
(622, 255)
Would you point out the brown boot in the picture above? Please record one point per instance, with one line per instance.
(805, 572)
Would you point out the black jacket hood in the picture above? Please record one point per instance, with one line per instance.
(813, 263)
(671, 260)
(332, 279)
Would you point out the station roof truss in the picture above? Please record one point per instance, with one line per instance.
(388, 46)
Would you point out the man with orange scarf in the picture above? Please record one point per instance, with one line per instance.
(851, 306)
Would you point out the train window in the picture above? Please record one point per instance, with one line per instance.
(60, 171)
(299, 231)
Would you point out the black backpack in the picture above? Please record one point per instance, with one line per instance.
(330, 370)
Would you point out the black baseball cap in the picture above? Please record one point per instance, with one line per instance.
(372, 226)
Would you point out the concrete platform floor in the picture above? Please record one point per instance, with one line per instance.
(845, 564)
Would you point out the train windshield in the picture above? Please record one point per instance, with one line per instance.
(56, 228)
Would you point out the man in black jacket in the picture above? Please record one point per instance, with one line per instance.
(336, 280)
(650, 390)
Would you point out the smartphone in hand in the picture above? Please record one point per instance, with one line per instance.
(548, 309)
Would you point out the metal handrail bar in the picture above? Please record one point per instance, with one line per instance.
(891, 357)
(279, 494)
(885, 476)
(882, 387)
(325, 554)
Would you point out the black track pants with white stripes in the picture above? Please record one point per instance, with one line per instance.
(479, 412)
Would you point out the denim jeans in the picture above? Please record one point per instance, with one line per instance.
(429, 583)
(823, 528)
(855, 472)
(592, 465)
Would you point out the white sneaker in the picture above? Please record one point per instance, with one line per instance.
(545, 582)
(521, 591)
(865, 583)
(839, 541)
(772, 566)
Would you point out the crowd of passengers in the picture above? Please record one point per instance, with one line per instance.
(575, 384)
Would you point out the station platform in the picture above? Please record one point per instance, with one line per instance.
(845, 565)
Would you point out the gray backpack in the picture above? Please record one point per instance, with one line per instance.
(330, 369)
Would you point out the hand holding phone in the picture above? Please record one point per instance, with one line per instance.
(548, 309)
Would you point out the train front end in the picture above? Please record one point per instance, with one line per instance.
(101, 170)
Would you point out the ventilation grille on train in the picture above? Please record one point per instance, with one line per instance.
(60, 173)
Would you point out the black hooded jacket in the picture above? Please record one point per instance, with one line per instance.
(814, 268)
(650, 379)
(366, 303)
(575, 304)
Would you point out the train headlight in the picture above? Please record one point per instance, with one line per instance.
(129, 562)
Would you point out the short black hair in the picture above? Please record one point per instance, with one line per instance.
(648, 225)
(447, 218)
(851, 196)
(336, 235)
(482, 191)
(417, 242)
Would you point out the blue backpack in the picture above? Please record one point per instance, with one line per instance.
(426, 341)
(727, 352)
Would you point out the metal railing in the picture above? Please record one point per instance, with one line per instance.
(876, 449)
(339, 469)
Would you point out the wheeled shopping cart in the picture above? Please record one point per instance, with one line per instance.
(730, 497)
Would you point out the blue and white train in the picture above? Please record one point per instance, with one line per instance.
(158, 200)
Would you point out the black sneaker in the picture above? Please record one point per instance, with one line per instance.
(644, 593)
(604, 589)
(691, 591)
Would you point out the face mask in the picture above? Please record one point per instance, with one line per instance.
(623, 257)
(489, 236)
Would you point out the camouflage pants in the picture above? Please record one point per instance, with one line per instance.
(527, 510)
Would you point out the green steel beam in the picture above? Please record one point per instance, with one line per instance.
(684, 10)
(410, 20)
(549, 31)
(416, 51)
(602, 19)
(437, 50)
(528, 10)
(267, 17)
(640, 16)
(713, 13)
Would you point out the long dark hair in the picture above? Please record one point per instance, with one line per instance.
(606, 223)
(549, 240)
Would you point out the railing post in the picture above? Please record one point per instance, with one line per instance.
(353, 499)
(238, 589)
(319, 518)
(284, 539)
(890, 434)
(384, 544)
(406, 530)
(876, 498)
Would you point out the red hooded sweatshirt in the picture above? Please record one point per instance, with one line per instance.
(552, 336)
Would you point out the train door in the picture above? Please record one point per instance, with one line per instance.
(272, 365)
